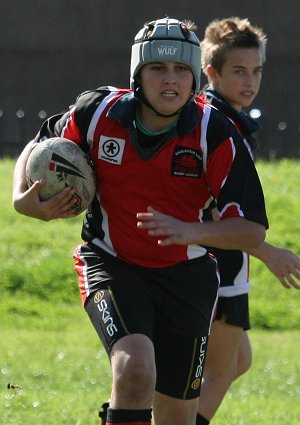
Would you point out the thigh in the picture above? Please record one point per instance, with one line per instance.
(120, 302)
(179, 364)
(244, 355)
(223, 347)
(188, 296)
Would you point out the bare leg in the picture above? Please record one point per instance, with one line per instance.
(244, 356)
(221, 366)
(173, 411)
(134, 373)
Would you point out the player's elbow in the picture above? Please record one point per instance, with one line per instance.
(17, 204)
(257, 235)
(15, 201)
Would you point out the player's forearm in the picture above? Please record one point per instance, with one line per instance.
(232, 233)
(262, 252)
(229, 233)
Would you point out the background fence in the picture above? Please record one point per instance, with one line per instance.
(52, 51)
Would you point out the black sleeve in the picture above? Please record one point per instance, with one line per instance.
(47, 129)
(231, 173)
(85, 107)
(243, 187)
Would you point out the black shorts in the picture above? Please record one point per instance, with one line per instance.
(236, 310)
(173, 306)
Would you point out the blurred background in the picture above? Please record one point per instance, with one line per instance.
(53, 50)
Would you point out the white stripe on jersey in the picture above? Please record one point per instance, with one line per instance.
(203, 140)
(233, 156)
(71, 113)
(234, 290)
(236, 207)
(97, 114)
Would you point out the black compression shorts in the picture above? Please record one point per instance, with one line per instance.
(173, 306)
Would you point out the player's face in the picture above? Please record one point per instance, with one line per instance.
(166, 85)
(240, 78)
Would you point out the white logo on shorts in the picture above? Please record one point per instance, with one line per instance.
(107, 318)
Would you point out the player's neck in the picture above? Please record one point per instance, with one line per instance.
(150, 122)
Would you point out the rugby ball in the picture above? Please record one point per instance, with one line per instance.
(61, 163)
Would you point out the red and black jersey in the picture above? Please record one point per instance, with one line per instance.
(198, 160)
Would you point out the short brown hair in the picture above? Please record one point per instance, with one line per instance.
(224, 35)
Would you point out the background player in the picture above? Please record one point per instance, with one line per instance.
(233, 53)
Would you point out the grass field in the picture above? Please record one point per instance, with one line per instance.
(65, 375)
(49, 348)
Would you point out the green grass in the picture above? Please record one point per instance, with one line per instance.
(58, 362)
(272, 306)
(65, 375)
(49, 348)
(37, 256)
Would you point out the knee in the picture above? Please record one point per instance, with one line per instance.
(244, 357)
(136, 375)
(217, 375)
(133, 368)
(244, 364)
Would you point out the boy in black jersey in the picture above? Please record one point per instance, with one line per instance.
(233, 53)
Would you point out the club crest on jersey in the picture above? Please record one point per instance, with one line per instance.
(111, 149)
(186, 162)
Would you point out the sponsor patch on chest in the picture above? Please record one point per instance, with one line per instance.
(186, 162)
(111, 149)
